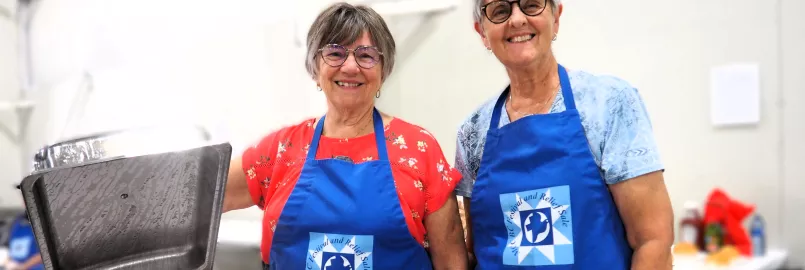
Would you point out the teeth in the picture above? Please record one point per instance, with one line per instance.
(348, 84)
(521, 38)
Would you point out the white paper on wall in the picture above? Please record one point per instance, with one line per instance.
(735, 94)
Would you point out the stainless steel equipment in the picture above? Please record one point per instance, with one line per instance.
(117, 144)
(145, 198)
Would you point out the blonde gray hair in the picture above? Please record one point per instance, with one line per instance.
(476, 11)
(343, 24)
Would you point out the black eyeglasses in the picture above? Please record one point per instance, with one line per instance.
(499, 11)
(335, 55)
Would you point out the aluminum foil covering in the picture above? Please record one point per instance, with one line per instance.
(126, 143)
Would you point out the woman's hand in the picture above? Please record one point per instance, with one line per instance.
(445, 236)
(10, 265)
(236, 194)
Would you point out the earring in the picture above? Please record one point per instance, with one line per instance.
(377, 95)
(318, 87)
(489, 50)
(554, 37)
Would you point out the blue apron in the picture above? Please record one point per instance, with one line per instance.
(539, 201)
(342, 215)
(22, 244)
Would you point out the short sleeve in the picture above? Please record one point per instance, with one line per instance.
(441, 179)
(464, 187)
(629, 148)
(258, 165)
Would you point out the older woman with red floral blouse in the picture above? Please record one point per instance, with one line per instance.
(356, 188)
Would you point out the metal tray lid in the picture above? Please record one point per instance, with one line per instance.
(119, 143)
(157, 210)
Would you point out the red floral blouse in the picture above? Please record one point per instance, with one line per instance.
(423, 178)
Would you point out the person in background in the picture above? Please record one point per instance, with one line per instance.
(23, 251)
(356, 188)
(561, 168)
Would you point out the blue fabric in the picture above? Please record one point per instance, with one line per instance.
(540, 202)
(22, 244)
(342, 215)
(615, 122)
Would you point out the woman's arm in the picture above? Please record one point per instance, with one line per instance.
(249, 174)
(630, 160)
(645, 208)
(30, 263)
(446, 237)
(465, 220)
(236, 194)
(466, 137)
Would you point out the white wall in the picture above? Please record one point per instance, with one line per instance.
(666, 50)
(793, 151)
(10, 168)
(231, 66)
(235, 67)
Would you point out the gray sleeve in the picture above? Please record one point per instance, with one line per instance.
(629, 148)
(463, 164)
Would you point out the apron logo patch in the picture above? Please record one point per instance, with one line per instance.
(19, 248)
(339, 252)
(539, 227)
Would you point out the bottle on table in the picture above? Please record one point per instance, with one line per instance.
(691, 226)
(713, 237)
(757, 232)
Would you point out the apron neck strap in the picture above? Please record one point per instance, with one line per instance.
(567, 91)
(567, 94)
(380, 138)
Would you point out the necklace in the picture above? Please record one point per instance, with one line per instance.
(364, 127)
(359, 131)
(541, 104)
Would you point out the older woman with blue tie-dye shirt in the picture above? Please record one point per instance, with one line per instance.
(561, 169)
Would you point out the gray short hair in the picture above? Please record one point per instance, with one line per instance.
(343, 24)
(476, 11)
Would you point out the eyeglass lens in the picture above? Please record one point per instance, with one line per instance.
(500, 11)
(335, 55)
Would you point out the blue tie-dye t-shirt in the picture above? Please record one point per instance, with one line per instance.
(615, 121)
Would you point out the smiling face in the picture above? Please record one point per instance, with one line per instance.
(350, 52)
(520, 40)
(350, 85)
